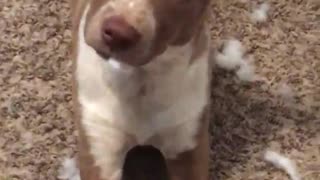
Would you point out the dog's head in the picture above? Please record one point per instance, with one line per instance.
(135, 31)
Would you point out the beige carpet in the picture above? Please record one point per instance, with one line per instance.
(281, 113)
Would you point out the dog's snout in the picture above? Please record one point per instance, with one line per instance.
(118, 34)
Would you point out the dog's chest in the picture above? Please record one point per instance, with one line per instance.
(147, 101)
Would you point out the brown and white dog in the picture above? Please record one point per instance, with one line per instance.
(141, 77)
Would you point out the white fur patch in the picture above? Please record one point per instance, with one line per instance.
(116, 117)
(69, 170)
(283, 163)
(181, 139)
(115, 64)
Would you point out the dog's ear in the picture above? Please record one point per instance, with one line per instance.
(76, 9)
(179, 19)
(145, 163)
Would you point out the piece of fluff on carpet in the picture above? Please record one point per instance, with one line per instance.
(246, 72)
(69, 170)
(231, 58)
(285, 92)
(283, 163)
(260, 14)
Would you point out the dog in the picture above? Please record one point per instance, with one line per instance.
(141, 75)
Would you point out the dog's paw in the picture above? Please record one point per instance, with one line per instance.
(69, 170)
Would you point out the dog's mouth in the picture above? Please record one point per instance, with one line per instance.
(103, 55)
(127, 57)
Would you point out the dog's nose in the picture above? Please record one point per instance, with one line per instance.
(118, 34)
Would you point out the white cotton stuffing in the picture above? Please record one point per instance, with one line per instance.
(69, 170)
(286, 92)
(261, 13)
(246, 72)
(28, 139)
(283, 163)
(231, 56)
(284, 89)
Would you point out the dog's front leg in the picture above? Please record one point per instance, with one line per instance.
(89, 170)
(192, 164)
(102, 149)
